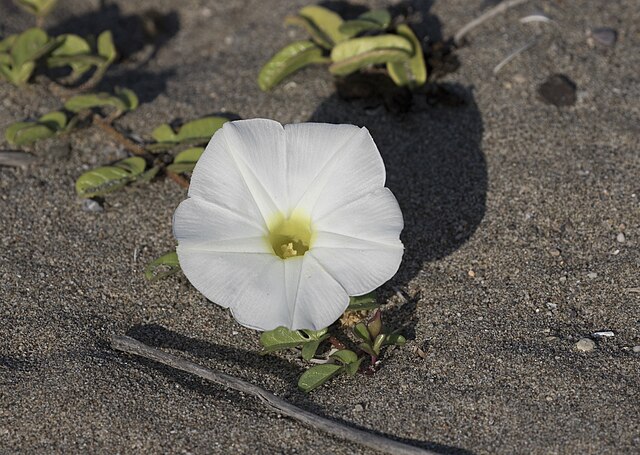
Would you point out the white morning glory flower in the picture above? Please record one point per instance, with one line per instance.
(283, 224)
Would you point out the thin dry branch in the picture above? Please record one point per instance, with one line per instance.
(135, 347)
(119, 137)
(184, 183)
(499, 8)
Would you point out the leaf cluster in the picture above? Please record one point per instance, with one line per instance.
(349, 46)
(20, 54)
(64, 120)
(337, 361)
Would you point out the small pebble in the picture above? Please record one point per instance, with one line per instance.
(358, 408)
(563, 279)
(620, 237)
(558, 90)
(636, 348)
(554, 252)
(603, 334)
(91, 205)
(552, 306)
(472, 273)
(592, 275)
(585, 345)
(606, 36)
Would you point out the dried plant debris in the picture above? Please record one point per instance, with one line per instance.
(558, 90)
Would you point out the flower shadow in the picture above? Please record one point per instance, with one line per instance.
(435, 168)
(160, 337)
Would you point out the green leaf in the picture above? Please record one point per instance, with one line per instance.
(378, 19)
(357, 53)
(31, 45)
(180, 168)
(412, 72)
(202, 128)
(106, 179)
(75, 52)
(55, 120)
(83, 102)
(345, 356)
(22, 73)
(290, 59)
(363, 302)
(309, 349)
(190, 155)
(361, 331)
(38, 8)
(281, 338)
(128, 97)
(165, 265)
(22, 133)
(326, 23)
(5, 59)
(375, 325)
(316, 334)
(377, 343)
(317, 375)
(7, 43)
(106, 48)
(366, 347)
(164, 133)
(352, 368)
(71, 44)
(395, 339)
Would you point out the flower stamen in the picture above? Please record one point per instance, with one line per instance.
(290, 237)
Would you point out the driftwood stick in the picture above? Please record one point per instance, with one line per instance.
(499, 8)
(135, 347)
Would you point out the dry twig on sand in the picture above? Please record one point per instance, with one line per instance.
(135, 347)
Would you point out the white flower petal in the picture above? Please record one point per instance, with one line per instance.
(375, 216)
(216, 178)
(262, 304)
(348, 171)
(359, 266)
(206, 226)
(358, 244)
(224, 277)
(319, 298)
(259, 150)
(310, 147)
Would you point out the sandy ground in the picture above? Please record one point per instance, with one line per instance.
(513, 207)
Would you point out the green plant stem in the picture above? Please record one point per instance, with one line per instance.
(313, 421)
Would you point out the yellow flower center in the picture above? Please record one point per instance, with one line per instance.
(290, 237)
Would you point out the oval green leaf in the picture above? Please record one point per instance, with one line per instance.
(202, 128)
(164, 133)
(190, 155)
(281, 338)
(371, 20)
(317, 375)
(412, 72)
(361, 331)
(363, 302)
(92, 100)
(309, 349)
(357, 53)
(107, 179)
(165, 265)
(55, 120)
(345, 356)
(290, 59)
(326, 22)
(30, 45)
(106, 48)
(22, 133)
